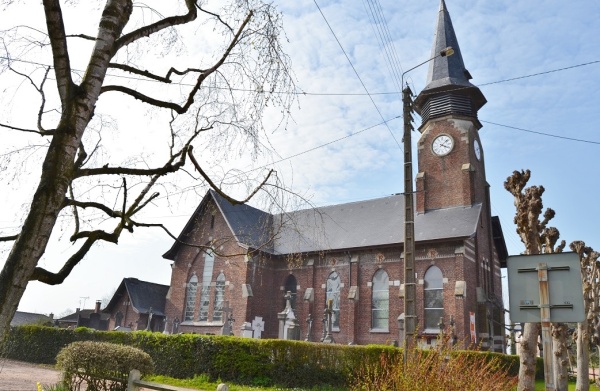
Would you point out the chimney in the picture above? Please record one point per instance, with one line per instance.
(98, 303)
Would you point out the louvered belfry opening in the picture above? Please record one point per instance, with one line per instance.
(447, 104)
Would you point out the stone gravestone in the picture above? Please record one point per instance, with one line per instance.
(258, 326)
(247, 330)
(227, 320)
(289, 327)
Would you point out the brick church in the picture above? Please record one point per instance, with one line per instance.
(352, 254)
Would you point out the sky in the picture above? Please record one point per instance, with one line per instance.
(537, 64)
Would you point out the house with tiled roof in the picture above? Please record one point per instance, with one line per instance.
(137, 305)
(91, 318)
(25, 318)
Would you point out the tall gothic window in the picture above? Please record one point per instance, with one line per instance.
(190, 298)
(434, 297)
(219, 298)
(209, 263)
(380, 302)
(333, 293)
(291, 285)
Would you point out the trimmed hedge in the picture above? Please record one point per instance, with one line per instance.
(249, 361)
(101, 365)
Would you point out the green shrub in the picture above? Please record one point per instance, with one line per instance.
(101, 365)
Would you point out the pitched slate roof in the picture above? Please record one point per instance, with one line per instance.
(23, 318)
(376, 222)
(74, 317)
(368, 223)
(246, 222)
(143, 296)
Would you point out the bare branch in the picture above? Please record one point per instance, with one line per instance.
(135, 71)
(97, 235)
(75, 213)
(180, 109)
(218, 17)
(123, 222)
(166, 169)
(89, 204)
(43, 275)
(144, 98)
(58, 41)
(44, 133)
(158, 26)
(233, 201)
(150, 75)
(81, 156)
(8, 238)
(212, 247)
(83, 36)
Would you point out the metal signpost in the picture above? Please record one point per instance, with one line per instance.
(543, 289)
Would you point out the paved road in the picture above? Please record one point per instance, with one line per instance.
(21, 376)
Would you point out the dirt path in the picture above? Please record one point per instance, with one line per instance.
(21, 376)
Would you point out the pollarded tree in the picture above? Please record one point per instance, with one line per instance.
(537, 238)
(590, 274)
(213, 98)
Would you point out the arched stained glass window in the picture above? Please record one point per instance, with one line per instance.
(209, 263)
(219, 298)
(334, 284)
(434, 297)
(190, 298)
(380, 301)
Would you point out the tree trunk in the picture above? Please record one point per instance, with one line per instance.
(560, 356)
(528, 354)
(31, 244)
(583, 357)
(78, 104)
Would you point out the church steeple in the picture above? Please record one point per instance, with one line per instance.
(448, 90)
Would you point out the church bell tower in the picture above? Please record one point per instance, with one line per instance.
(451, 170)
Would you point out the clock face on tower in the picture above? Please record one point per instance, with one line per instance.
(442, 145)
(477, 149)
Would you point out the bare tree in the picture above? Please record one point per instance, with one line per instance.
(537, 238)
(218, 106)
(588, 259)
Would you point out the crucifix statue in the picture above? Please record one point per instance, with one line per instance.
(228, 320)
(309, 320)
(288, 301)
(329, 322)
(150, 314)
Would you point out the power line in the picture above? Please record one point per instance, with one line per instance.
(308, 93)
(544, 134)
(540, 73)
(357, 75)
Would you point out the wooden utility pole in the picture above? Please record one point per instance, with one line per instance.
(410, 313)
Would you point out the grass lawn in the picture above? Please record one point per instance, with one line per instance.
(202, 383)
(541, 386)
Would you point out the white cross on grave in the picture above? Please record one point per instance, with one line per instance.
(258, 325)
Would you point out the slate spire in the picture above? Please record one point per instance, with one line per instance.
(448, 77)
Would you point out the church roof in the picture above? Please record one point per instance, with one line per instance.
(448, 73)
(249, 225)
(376, 222)
(143, 296)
